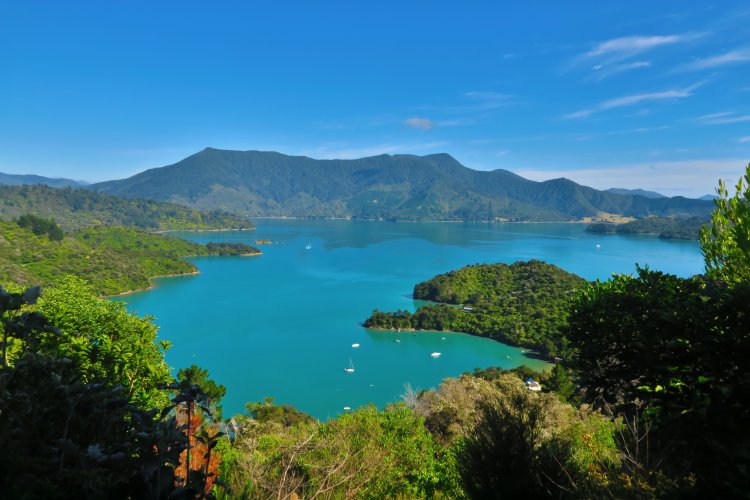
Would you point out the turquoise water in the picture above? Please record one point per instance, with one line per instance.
(282, 324)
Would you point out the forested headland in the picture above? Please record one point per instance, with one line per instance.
(113, 259)
(524, 304)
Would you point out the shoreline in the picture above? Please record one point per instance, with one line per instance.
(162, 231)
(152, 285)
(456, 221)
(529, 349)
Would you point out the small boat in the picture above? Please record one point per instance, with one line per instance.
(436, 354)
(308, 246)
(346, 408)
(507, 356)
(350, 369)
(355, 345)
(442, 338)
(598, 246)
(397, 341)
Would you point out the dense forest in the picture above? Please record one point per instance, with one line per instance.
(669, 228)
(113, 259)
(394, 187)
(79, 208)
(524, 303)
(650, 402)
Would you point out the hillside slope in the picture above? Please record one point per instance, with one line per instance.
(113, 259)
(77, 208)
(406, 187)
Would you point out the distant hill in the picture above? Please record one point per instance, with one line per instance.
(709, 197)
(635, 192)
(77, 208)
(17, 180)
(399, 187)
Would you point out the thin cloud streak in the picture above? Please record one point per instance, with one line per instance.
(733, 57)
(744, 139)
(723, 118)
(603, 72)
(629, 46)
(631, 100)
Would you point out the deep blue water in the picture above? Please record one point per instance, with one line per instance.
(282, 324)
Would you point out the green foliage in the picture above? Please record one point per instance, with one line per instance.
(105, 342)
(672, 352)
(524, 304)
(726, 243)
(398, 187)
(66, 438)
(529, 444)
(41, 226)
(70, 425)
(114, 260)
(18, 325)
(214, 392)
(668, 228)
(366, 453)
(230, 249)
(79, 208)
(286, 415)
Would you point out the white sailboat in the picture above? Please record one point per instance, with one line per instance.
(350, 369)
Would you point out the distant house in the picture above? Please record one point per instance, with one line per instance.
(468, 309)
(533, 385)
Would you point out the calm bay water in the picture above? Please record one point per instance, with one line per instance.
(282, 324)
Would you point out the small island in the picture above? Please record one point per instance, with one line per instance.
(523, 304)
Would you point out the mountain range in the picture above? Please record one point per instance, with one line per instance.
(398, 187)
(18, 180)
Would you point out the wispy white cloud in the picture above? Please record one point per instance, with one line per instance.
(614, 56)
(690, 178)
(733, 57)
(723, 118)
(502, 153)
(347, 153)
(744, 139)
(629, 46)
(601, 71)
(417, 122)
(631, 100)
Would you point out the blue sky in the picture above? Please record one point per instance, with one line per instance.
(626, 94)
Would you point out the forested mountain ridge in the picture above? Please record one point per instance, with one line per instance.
(401, 187)
(77, 208)
(25, 179)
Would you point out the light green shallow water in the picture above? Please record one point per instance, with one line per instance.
(282, 324)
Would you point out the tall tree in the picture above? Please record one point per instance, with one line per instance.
(726, 242)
